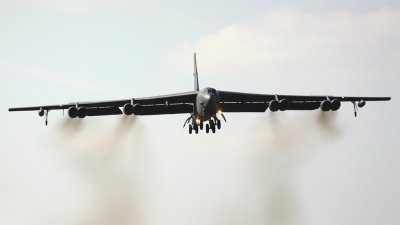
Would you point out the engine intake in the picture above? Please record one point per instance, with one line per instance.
(82, 112)
(335, 105)
(273, 105)
(283, 104)
(128, 109)
(325, 105)
(72, 112)
(137, 109)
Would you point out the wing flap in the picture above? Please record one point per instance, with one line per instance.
(171, 109)
(106, 111)
(304, 106)
(243, 107)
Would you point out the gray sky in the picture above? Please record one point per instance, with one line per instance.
(269, 168)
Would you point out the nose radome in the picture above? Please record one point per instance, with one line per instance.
(206, 99)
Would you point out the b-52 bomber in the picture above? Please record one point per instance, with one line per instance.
(205, 106)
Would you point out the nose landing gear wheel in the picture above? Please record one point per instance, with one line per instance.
(190, 129)
(207, 128)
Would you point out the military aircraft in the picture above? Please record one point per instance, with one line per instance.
(205, 105)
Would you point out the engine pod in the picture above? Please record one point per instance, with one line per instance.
(72, 112)
(137, 109)
(325, 105)
(82, 112)
(283, 104)
(335, 105)
(128, 109)
(273, 105)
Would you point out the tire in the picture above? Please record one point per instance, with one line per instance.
(190, 128)
(219, 124)
(201, 125)
(207, 128)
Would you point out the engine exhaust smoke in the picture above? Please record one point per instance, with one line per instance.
(285, 146)
(104, 157)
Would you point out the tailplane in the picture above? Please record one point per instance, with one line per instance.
(196, 75)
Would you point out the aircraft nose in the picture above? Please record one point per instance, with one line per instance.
(209, 104)
(206, 99)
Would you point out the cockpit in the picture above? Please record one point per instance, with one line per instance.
(210, 91)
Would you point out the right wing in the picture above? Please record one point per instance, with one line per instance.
(249, 102)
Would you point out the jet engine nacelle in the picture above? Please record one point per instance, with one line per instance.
(273, 105)
(361, 103)
(326, 105)
(137, 109)
(128, 109)
(282, 105)
(82, 112)
(335, 105)
(72, 112)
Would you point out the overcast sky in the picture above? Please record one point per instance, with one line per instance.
(262, 168)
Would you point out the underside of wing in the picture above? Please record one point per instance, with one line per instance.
(157, 105)
(249, 102)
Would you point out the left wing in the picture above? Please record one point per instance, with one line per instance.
(248, 102)
(163, 104)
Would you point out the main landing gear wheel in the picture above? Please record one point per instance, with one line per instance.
(196, 128)
(190, 128)
(201, 125)
(212, 126)
(219, 124)
(207, 128)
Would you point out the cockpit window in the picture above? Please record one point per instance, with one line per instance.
(209, 91)
(212, 91)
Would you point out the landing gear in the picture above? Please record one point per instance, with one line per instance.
(46, 117)
(212, 126)
(196, 123)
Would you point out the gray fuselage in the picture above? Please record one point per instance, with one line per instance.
(207, 103)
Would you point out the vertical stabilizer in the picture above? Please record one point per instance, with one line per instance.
(195, 74)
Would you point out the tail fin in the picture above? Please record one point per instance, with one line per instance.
(196, 75)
